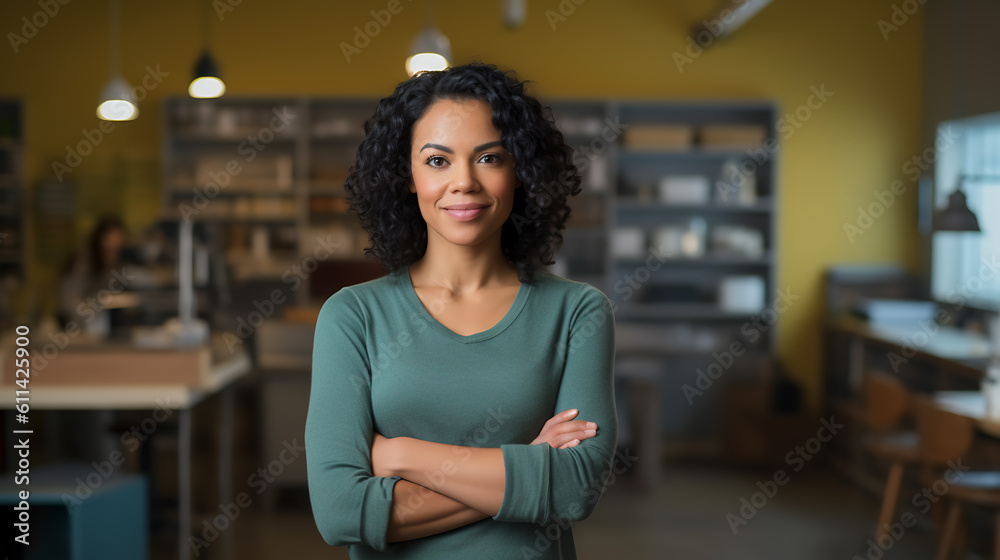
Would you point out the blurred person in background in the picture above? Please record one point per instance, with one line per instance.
(91, 302)
(94, 277)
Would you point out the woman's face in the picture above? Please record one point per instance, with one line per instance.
(112, 241)
(463, 177)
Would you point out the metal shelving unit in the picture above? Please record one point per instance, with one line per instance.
(12, 206)
(674, 296)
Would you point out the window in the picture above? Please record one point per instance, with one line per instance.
(965, 267)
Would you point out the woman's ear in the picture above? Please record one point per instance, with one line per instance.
(413, 186)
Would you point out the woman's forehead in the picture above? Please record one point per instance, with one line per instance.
(461, 122)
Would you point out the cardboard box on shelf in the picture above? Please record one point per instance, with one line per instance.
(685, 189)
(731, 136)
(658, 136)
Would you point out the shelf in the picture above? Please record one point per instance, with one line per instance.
(247, 268)
(648, 155)
(708, 260)
(687, 353)
(588, 196)
(631, 204)
(229, 192)
(249, 136)
(584, 230)
(326, 218)
(679, 311)
(322, 146)
(327, 188)
(347, 137)
(248, 220)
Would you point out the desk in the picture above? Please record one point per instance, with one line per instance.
(948, 349)
(219, 378)
(936, 358)
(971, 404)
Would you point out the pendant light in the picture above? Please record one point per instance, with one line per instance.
(726, 19)
(117, 101)
(431, 50)
(956, 216)
(206, 83)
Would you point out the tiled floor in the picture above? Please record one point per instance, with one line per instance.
(814, 516)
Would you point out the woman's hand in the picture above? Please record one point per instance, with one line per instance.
(562, 432)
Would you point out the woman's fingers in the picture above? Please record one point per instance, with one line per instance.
(563, 416)
(561, 441)
(570, 439)
(569, 444)
(575, 426)
(562, 431)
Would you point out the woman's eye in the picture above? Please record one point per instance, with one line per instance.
(436, 161)
(491, 158)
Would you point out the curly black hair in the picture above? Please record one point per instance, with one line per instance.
(378, 183)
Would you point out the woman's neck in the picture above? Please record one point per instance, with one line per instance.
(460, 268)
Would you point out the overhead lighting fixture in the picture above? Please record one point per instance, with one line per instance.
(206, 82)
(515, 12)
(730, 16)
(431, 50)
(117, 100)
(957, 216)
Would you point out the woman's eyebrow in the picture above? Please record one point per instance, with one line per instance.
(486, 145)
(449, 150)
(436, 147)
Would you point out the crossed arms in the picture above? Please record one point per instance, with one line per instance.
(450, 492)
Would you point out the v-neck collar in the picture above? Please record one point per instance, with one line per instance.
(405, 283)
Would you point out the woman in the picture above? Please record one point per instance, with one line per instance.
(430, 431)
(92, 273)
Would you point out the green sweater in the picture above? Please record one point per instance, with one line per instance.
(382, 363)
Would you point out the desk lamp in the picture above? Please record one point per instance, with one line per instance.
(957, 216)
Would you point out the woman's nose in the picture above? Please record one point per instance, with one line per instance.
(463, 178)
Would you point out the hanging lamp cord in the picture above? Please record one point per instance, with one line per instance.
(114, 22)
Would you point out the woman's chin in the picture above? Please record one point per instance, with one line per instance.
(471, 237)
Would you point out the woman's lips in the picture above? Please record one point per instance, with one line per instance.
(465, 214)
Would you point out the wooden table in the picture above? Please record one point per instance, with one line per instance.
(971, 404)
(953, 350)
(219, 375)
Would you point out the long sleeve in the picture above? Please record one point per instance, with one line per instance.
(543, 484)
(350, 506)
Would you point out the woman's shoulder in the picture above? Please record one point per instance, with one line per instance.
(570, 292)
(355, 298)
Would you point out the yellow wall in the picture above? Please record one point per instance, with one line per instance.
(854, 144)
